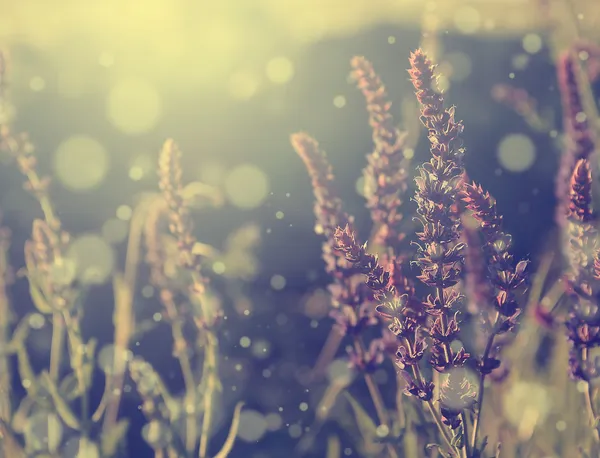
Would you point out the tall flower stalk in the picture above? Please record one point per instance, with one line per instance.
(181, 227)
(386, 173)
(428, 329)
(579, 140)
(348, 293)
(583, 278)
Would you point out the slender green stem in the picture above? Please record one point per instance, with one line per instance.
(5, 317)
(372, 386)
(76, 343)
(209, 370)
(435, 414)
(56, 345)
(589, 400)
(481, 393)
(97, 415)
(123, 308)
(211, 377)
(186, 370)
(466, 449)
(376, 397)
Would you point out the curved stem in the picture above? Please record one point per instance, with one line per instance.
(376, 397)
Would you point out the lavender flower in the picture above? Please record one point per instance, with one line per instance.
(386, 174)
(579, 139)
(583, 324)
(346, 291)
(440, 257)
(393, 310)
(505, 278)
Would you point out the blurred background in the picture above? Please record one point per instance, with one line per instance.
(99, 85)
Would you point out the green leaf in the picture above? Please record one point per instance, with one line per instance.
(233, 429)
(26, 372)
(457, 439)
(38, 298)
(439, 449)
(365, 423)
(9, 445)
(20, 334)
(69, 387)
(113, 437)
(62, 406)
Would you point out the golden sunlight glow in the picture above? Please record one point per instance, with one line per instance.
(280, 70)
(182, 45)
(532, 43)
(71, 83)
(81, 163)
(467, 19)
(243, 85)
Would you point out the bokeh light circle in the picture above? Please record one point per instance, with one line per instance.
(81, 163)
(253, 426)
(133, 106)
(516, 152)
(280, 70)
(93, 258)
(246, 186)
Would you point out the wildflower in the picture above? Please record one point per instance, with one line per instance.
(441, 256)
(367, 361)
(583, 323)
(170, 183)
(392, 307)
(345, 290)
(386, 174)
(353, 322)
(505, 278)
(578, 135)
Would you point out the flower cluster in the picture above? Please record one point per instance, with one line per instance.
(440, 256)
(347, 293)
(583, 277)
(577, 131)
(421, 330)
(386, 172)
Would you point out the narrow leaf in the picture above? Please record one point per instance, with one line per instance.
(113, 437)
(334, 448)
(365, 423)
(9, 445)
(62, 406)
(26, 372)
(38, 298)
(235, 424)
